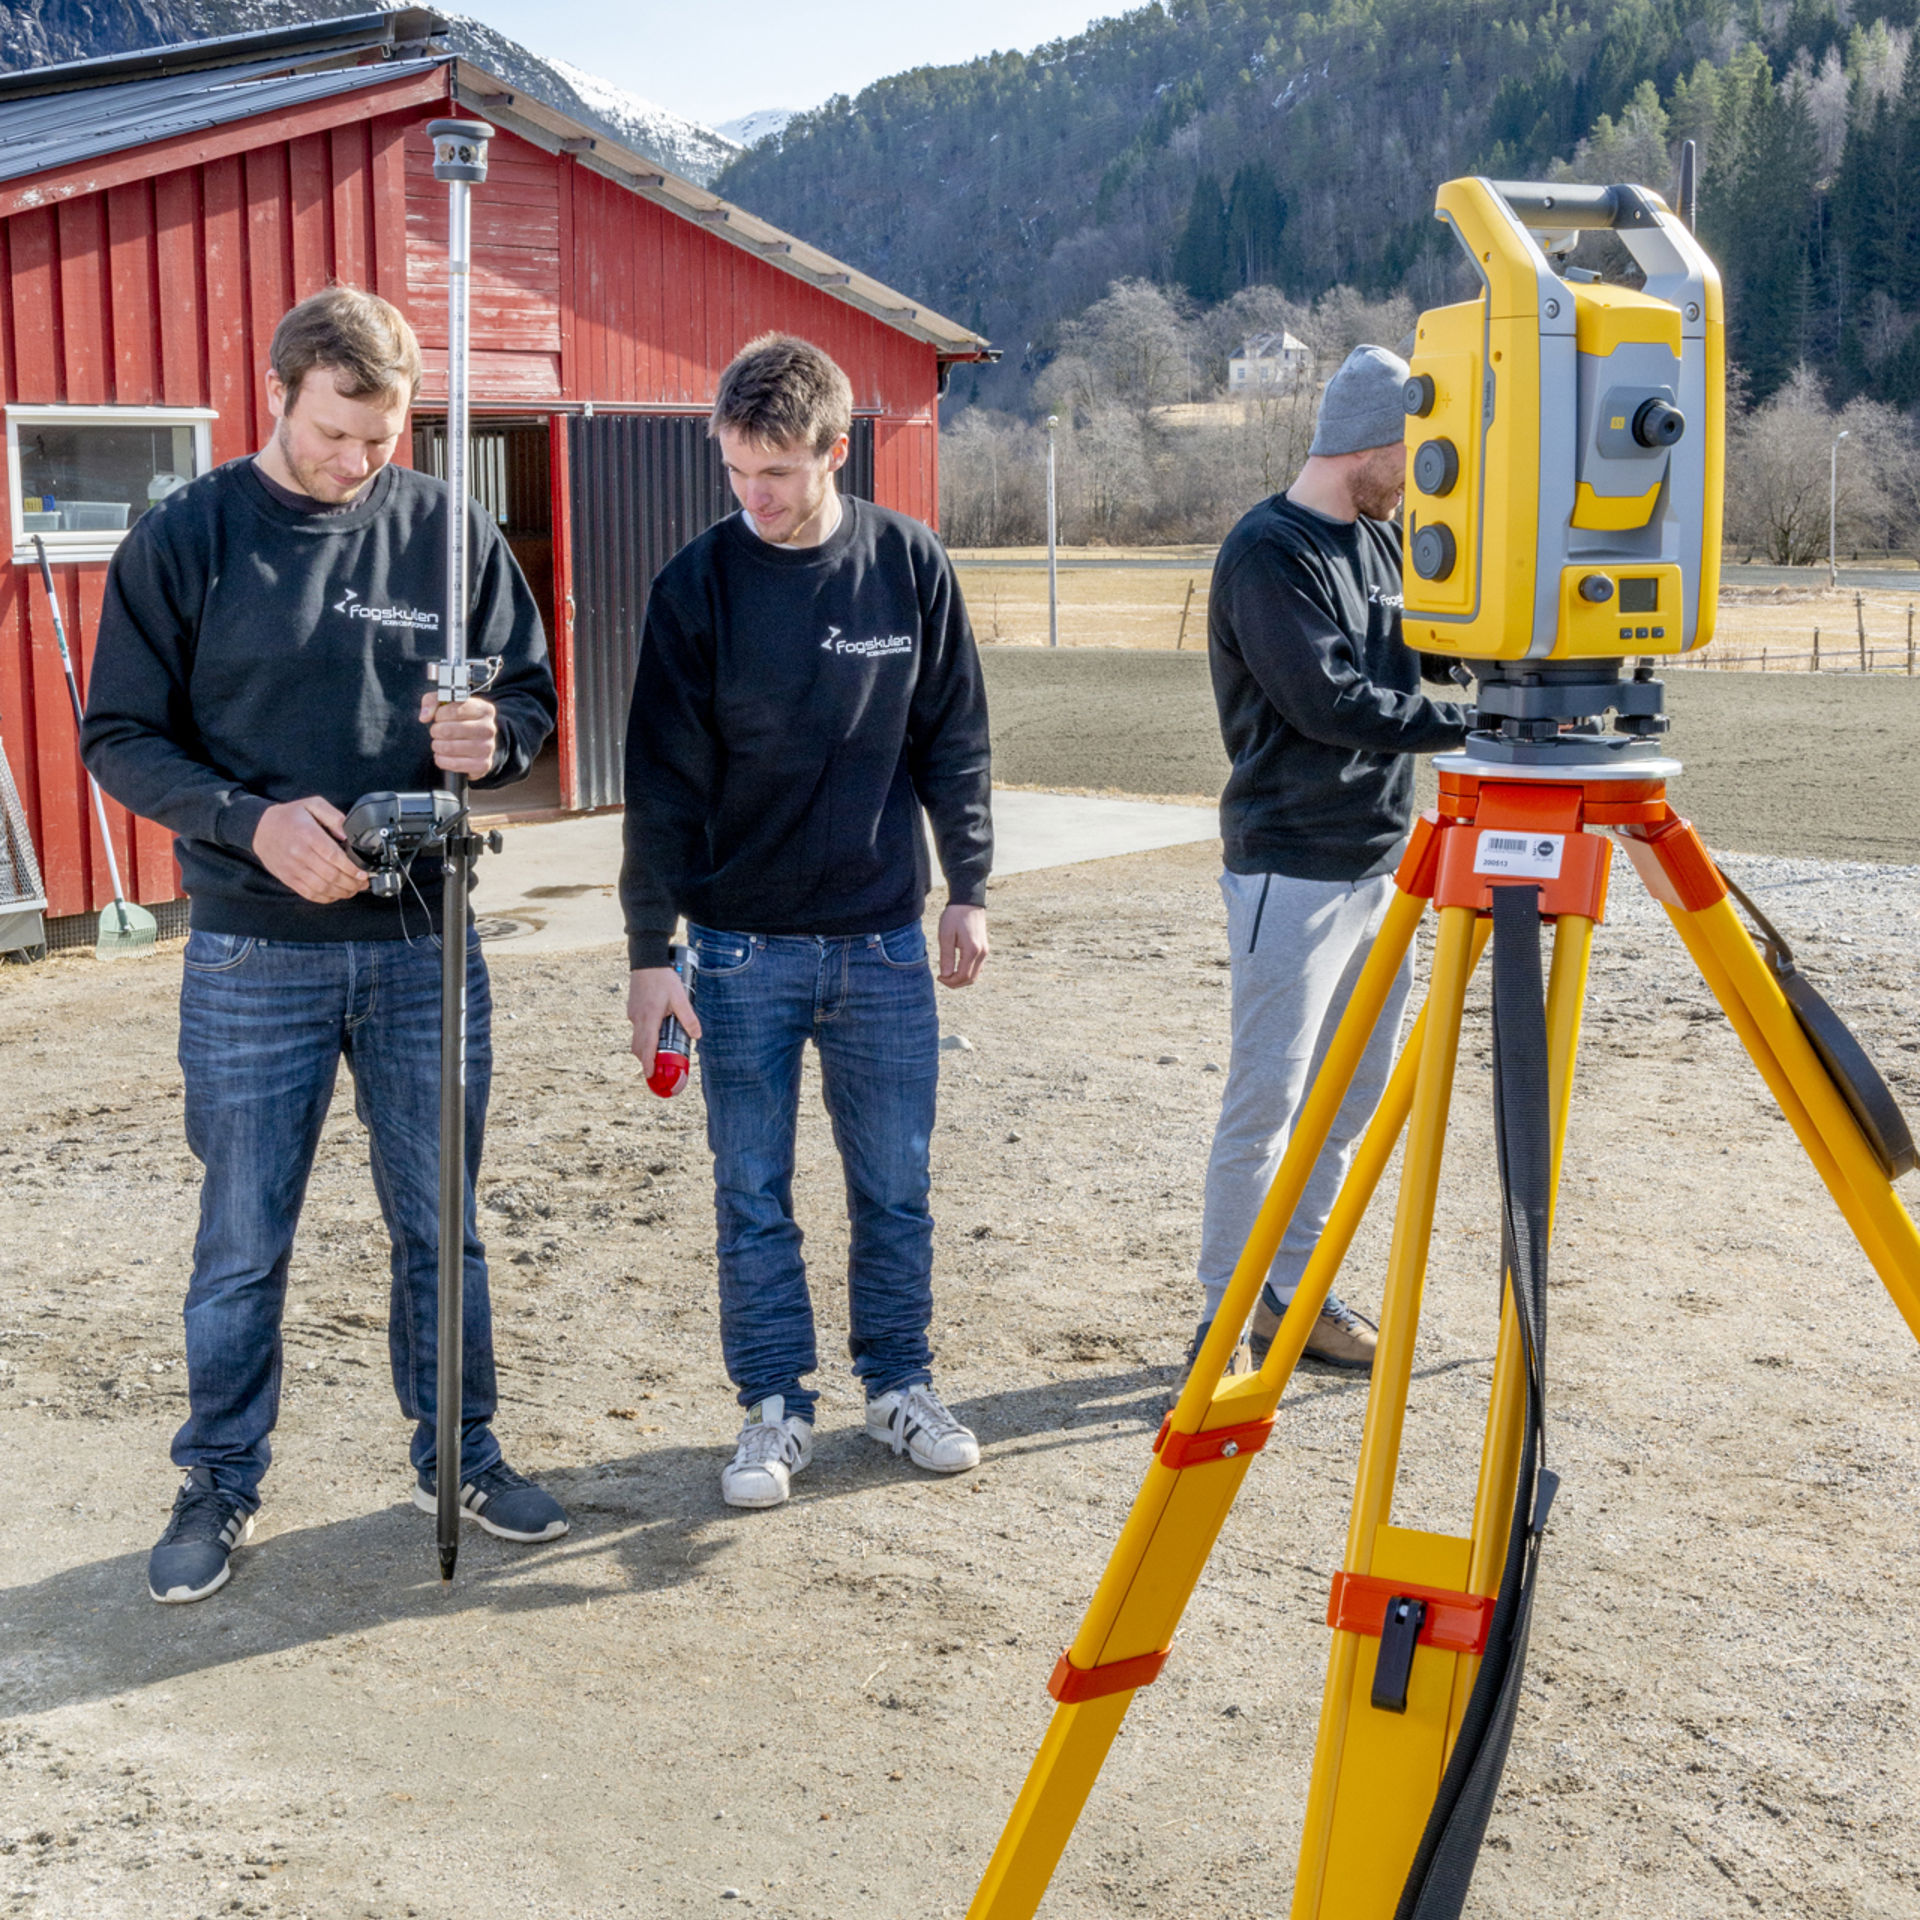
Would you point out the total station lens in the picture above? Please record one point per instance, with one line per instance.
(1657, 424)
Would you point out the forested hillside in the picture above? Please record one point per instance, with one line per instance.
(1220, 144)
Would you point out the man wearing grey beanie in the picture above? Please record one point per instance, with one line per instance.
(1322, 713)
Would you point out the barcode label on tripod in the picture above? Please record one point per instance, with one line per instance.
(1521, 856)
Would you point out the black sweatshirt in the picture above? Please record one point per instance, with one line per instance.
(1319, 698)
(252, 653)
(793, 710)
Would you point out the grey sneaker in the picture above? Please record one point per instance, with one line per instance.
(189, 1561)
(505, 1503)
(914, 1421)
(774, 1446)
(1236, 1362)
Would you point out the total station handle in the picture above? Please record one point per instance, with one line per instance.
(1558, 207)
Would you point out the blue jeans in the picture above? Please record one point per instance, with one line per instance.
(264, 1025)
(866, 1002)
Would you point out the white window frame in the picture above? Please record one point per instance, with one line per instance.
(70, 547)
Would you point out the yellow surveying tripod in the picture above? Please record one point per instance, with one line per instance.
(1430, 1630)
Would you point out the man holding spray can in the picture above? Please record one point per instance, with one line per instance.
(807, 684)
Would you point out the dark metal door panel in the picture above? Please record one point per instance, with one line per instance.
(643, 485)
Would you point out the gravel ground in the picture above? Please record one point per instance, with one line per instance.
(824, 1712)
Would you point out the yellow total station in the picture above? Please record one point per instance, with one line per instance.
(1565, 437)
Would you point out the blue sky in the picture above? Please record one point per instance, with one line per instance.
(749, 54)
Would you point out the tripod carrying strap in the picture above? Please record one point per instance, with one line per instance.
(1436, 1887)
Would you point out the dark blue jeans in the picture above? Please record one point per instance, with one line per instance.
(866, 1002)
(264, 1025)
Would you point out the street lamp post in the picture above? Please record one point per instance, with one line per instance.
(1833, 501)
(1053, 564)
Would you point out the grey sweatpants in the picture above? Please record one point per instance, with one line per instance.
(1297, 948)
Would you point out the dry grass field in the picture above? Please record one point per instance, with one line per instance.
(1137, 597)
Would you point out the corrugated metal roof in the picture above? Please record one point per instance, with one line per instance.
(63, 129)
(304, 43)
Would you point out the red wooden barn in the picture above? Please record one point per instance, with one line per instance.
(160, 211)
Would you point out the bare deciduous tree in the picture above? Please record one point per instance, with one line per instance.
(1131, 349)
(1780, 459)
(993, 481)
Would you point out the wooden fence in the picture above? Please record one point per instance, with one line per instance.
(1751, 645)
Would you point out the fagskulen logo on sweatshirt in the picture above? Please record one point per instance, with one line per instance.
(877, 648)
(357, 609)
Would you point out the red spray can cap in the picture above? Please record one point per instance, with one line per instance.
(673, 1053)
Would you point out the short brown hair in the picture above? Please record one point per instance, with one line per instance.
(781, 391)
(363, 340)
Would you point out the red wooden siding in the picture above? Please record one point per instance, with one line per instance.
(584, 290)
(516, 271)
(654, 307)
(164, 292)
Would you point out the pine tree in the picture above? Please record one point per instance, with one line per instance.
(1200, 260)
(1256, 218)
(1761, 230)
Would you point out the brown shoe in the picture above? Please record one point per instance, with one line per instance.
(1342, 1338)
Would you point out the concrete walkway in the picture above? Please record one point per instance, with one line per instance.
(554, 887)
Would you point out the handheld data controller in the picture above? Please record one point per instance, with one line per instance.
(1565, 443)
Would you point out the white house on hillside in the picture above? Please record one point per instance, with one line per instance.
(1268, 360)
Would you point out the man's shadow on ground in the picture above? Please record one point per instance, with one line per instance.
(91, 1631)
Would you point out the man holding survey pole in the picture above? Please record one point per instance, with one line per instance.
(263, 662)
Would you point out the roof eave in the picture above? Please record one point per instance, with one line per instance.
(555, 132)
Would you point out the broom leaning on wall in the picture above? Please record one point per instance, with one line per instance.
(124, 928)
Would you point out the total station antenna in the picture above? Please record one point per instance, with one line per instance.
(1564, 490)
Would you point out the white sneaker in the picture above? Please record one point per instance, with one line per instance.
(774, 1446)
(914, 1422)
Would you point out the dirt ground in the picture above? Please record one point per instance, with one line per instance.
(824, 1712)
(1775, 763)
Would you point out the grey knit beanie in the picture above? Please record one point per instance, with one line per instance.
(1361, 407)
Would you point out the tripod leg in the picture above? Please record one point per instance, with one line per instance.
(1375, 1774)
(1350, 1853)
(1190, 1486)
(1738, 978)
(1356, 1196)
(1507, 1404)
(1680, 873)
(1317, 1114)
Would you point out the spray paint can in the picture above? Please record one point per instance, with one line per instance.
(673, 1052)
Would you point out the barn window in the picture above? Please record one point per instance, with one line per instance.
(79, 477)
